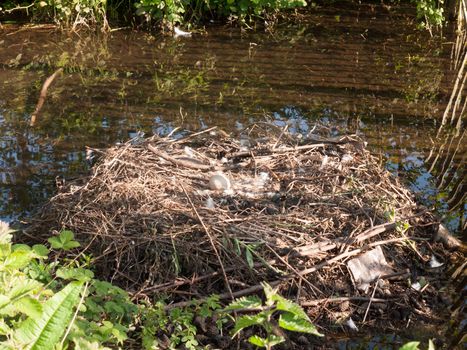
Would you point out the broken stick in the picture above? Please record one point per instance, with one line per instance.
(43, 95)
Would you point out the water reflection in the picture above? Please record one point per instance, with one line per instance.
(356, 76)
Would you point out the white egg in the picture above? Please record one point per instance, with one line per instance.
(219, 182)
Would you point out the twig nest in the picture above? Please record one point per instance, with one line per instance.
(219, 182)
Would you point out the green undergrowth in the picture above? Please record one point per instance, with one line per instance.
(188, 13)
(51, 301)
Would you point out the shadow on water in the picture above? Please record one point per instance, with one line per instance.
(364, 71)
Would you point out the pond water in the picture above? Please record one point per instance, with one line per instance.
(365, 71)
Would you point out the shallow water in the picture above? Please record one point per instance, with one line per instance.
(364, 71)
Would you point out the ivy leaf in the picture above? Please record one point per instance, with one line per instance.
(251, 302)
(295, 323)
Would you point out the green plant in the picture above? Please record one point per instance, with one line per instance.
(179, 11)
(430, 13)
(46, 305)
(414, 345)
(291, 317)
(176, 325)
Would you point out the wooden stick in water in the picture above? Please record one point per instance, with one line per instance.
(43, 95)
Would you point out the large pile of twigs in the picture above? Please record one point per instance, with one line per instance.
(291, 211)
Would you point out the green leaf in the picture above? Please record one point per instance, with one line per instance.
(258, 341)
(77, 273)
(66, 236)
(4, 301)
(248, 321)
(44, 332)
(65, 240)
(289, 306)
(413, 345)
(55, 242)
(295, 323)
(29, 306)
(249, 257)
(20, 246)
(40, 249)
(84, 344)
(269, 292)
(251, 302)
(4, 328)
(431, 346)
(16, 260)
(23, 287)
(270, 341)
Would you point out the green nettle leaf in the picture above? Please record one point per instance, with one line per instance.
(248, 321)
(294, 323)
(29, 306)
(251, 302)
(269, 292)
(274, 340)
(270, 341)
(78, 273)
(283, 304)
(44, 332)
(258, 341)
(413, 345)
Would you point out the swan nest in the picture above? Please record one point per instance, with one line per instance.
(189, 215)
